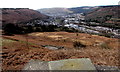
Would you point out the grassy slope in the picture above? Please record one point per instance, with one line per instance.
(101, 50)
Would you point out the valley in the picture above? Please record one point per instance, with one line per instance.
(60, 33)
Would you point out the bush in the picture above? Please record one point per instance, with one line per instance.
(105, 46)
(67, 29)
(78, 44)
(38, 29)
(109, 35)
(9, 29)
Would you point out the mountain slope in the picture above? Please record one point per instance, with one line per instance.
(10, 15)
(84, 9)
(55, 11)
(104, 13)
(65, 11)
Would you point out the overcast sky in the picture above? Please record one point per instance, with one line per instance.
(38, 4)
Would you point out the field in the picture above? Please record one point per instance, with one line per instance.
(17, 50)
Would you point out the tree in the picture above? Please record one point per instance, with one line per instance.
(9, 29)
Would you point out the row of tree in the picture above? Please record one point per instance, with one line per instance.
(10, 29)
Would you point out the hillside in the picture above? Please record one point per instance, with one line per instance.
(65, 11)
(55, 11)
(11, 15)
(104, 13)
(84, 9)
(17, 50)
(100, 13)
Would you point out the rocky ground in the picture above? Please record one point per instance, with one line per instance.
(17, 50)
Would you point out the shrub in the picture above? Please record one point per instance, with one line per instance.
(9, 29)
(77, 34)
(105, 46)
(109, 35)
(78, 44)
(38, 29)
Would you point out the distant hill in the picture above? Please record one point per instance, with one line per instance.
(55, 11)
(65, 11)
(17, 15)
(84, 9)
(104, 13)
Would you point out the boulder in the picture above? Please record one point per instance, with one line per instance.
(67, 64)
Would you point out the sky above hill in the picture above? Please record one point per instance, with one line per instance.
(38, 4)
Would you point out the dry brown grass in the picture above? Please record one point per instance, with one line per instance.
(17, 54)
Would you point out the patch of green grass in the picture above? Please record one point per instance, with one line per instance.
(6, 41)
(9, 41)
(29, 43)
